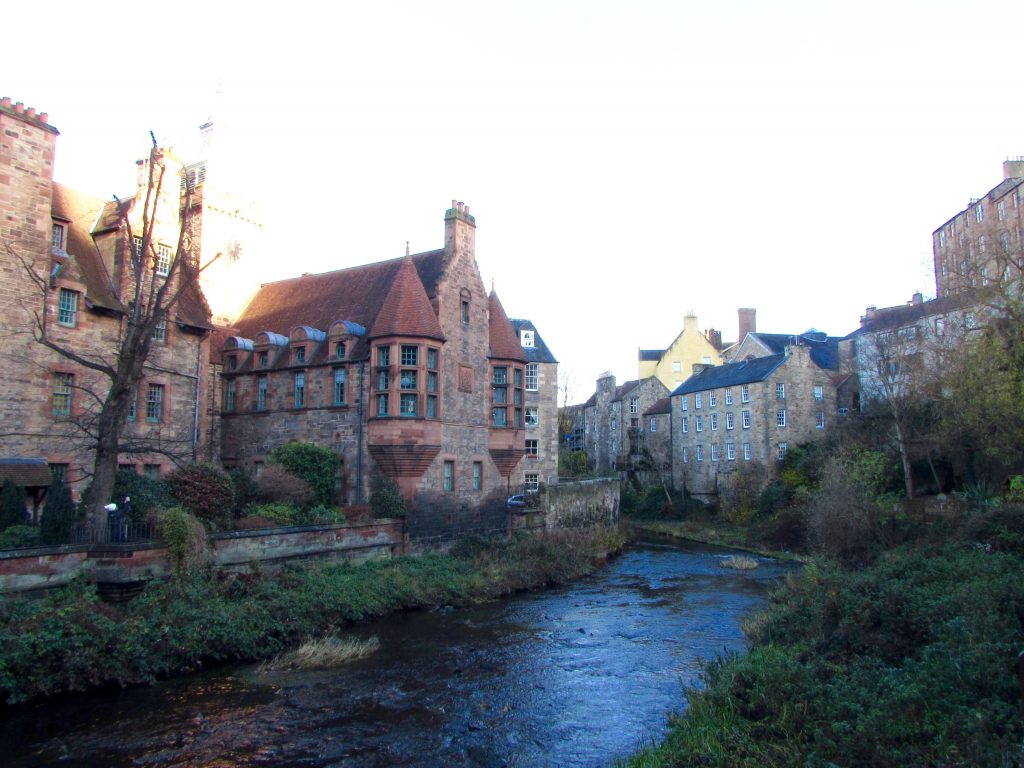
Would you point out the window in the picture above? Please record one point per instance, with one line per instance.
(780, 417)
(151, 471)
(383, 380)
(500, 395)
(57, 236)
(532, 377)
(686, 404)
(431, 407)
(449, 475)
(67, 312)
(634, 405)
(730, 451)
(700, 453)
(526, 338)
(819, 420)
(730, 420)
(714, 422)
(697, 400)
(60, 471)
(478, 474)
(299, 355)
(382, 405)
(383, 356)
(339, 350)
(155, 402)
(746, 451)
(465, 312)
(686, 455)
(261, 393)
(407, 380)
(819, 392)
(728, 397)
(712, 399)
(229, 396)
(163, 260)
(677, 367)
(699, 423)
(500, 375)
(407, 405)
(714, 451)
(780, 390)
(686, 425)
(654, 424)
(500, 417)
(745, 393)
(63, 385)
(432, 359)
(262, 359)
(160, 331)
(781, 452)
(1002, 210)
(532, 482)
(532, 416)
(232, 362)
(339, 386)
(940, 326)
(410, 355)
(431, 381)
(133, 406)
(979, 212)
(746, 419)
(300, 390)
(533, 448)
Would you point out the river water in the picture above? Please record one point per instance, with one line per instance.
(582, 675)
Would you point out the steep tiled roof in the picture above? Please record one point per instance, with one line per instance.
(80, 212)
(887, 318)
(406, 310)
(504, 341)
(355, 293)
(731, 374)
(664, 405)
(27, 473)
(539, 352)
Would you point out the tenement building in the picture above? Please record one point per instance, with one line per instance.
(540, 384)
(64, 261)
(982, 243)
(612, 421)
(409, 371)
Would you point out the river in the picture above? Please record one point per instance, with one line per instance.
(581, 675)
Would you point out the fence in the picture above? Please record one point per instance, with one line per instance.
(116, 530)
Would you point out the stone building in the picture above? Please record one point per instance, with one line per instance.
(613, 424)
(407, 369)
(540, 380)
(983, 242)
(63, 260)
(672, 366)
(742, 417)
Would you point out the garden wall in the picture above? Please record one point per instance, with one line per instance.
(581, 503)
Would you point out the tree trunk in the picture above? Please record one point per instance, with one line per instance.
(908, 478)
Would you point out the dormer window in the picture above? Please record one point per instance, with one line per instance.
(58, 236)
(339, 350)
(232, 362)
(262, 359)
(299, 355)
(526, 338)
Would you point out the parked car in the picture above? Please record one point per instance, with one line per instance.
(518, 500)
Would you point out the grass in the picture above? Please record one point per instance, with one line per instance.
(323, 653)
(738, 563)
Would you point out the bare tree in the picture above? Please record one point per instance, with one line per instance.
(151, 286)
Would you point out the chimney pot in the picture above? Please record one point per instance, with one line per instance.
(455, 204)
(6, 101)
(31, 111)
(917, 299)
(44, 117)
(19, 106)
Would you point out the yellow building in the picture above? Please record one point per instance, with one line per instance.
(674, 365)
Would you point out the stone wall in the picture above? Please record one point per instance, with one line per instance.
(44, 567)
(582, 503)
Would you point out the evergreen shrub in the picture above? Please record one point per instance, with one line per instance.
(310, 462)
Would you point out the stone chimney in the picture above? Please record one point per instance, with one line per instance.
(459, 230)
(748, 322)
(1013, 168)
(869, 315)
(917, 299)
(714, 338)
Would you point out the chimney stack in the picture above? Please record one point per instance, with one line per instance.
(1013, 168)
(917, 299)
(748, 322)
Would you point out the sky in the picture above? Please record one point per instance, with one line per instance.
(627, 163)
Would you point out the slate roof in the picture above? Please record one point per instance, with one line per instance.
(731, 374)
(824, 348)
(25, 472)
(664, 405)
(504, 342)
(539, 352)
(902, 315)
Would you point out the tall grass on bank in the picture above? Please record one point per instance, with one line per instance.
(911, 661)
(70, 641)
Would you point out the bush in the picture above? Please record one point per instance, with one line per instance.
(185, 539)
(844, 514)
(387, 501)
(318, 515)
(12, 505)
(276, 485)
(278, 513)
(774, 497)
(573, 463)
(146, 494)
(785, 530)
(245, 489)
(19, 537)
(204, 490)
(59, 514)
(310, 462)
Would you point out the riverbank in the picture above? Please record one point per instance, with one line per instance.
(70, 641)
(708, 531)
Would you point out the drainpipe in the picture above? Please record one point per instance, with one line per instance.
(359, 440)
(195, 404)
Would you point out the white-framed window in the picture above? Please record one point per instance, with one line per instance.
(730, 420)
(1002, 210)
(780, 417)
(819, 420)
(654, 424)
(685, 424)
(160, 331)
(746, 419)
(339, 386)
(714, 422)
(163, 260)
(746, 451)
(155, 402)
(712, 399)
(533, 416)
(781, 451)
(699, 423)
(229, 396)
(686, 403)
(942, 238)
(745, 393)
(780, 390)
(531, 482)
(940, 326)
(700, 453)
(532, 377)
(58, 235)
(728, 397)
(261, 393)
(615, 423)
(634, 405)
(677, 367)
(67, 310)
(686, 455)
(63, 386)
(449, 475)
(714, 451)
(979, 212)
(819, 392)
(698, 400)
(730, 451)
(533, 448)
(526, 338)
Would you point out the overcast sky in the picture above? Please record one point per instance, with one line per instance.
(626, 162)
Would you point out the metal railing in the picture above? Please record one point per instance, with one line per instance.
(114, 531)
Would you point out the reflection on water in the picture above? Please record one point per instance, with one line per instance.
(580, 675)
